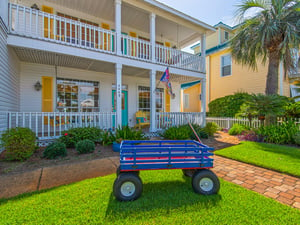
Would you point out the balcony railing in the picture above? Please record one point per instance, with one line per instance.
(37, 24)
(49, 125)
(170, 119)
(33, 23)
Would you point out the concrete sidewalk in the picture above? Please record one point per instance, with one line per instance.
(48, 177)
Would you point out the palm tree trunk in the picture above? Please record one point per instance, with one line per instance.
(272, 77)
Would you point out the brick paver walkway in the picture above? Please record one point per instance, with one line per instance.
(283, 188)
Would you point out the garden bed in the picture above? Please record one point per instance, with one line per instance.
(37, 161)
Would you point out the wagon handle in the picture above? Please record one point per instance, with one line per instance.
(193, 130)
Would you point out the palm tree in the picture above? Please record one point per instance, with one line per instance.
(270, 35)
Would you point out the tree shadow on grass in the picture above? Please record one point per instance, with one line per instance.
(161, 196)
(291, 152)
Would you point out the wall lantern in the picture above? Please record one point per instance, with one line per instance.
(37, 86)
(34, 6)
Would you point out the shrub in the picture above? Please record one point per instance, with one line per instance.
(85, 146)
(55, 150)
(248, 135)
(227, 106)
(127, 133)
(211, 128)
(73, 135)
(237, 129)
(19, 143)
(297, 138)
(108, 138)
(283, 133)
(177, 133)
(184, 132)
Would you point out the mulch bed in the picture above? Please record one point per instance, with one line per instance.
(219, 141)
(37, 161)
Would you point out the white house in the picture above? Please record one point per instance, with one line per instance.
(74, 63)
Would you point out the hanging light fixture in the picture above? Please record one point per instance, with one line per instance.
(37, 86)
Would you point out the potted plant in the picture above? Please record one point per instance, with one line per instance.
(117, 145)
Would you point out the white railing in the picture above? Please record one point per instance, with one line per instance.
(170, 119)
(49, 125)
(135, 48)
(25, 21)
(227, 122)
(37, 24)
(177, 58)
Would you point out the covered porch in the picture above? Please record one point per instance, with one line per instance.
(104, 95)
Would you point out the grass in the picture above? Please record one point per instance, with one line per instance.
(167, 199)
(277, 157)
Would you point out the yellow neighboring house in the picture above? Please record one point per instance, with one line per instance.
(226, 77)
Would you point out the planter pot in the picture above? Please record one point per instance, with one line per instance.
(116, 147)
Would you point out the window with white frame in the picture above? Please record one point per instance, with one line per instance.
(77, 95)
(144, 99)
(226, 35)
(226, 65)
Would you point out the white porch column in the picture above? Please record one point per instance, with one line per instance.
(4, 11)
(203, 51)
(152, 100)
(119, 94)
(118, 25)
(203, 100)
(152, 35)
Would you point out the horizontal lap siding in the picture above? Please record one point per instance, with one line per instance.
(9, 79)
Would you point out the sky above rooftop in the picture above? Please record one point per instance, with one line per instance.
(208, 11)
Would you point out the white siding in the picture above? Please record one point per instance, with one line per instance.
(31, 99)
(9, 78)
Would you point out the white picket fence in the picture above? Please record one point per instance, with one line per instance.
(50, 125)
(227, 122)
(165, 120)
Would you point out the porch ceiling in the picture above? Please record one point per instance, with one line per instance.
(48, 58)
(134, 17)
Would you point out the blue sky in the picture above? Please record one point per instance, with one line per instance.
(208, 11)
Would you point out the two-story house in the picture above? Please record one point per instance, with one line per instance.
(95, 63)
(226, 77)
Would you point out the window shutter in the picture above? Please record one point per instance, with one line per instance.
(48, 30)
(47, 94)
(167, 101)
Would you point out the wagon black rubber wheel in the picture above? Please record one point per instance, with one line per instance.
(128, 187)
(118, 172)
(188, 172)
(205, 182)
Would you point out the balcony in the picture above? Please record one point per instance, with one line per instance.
(27, 22)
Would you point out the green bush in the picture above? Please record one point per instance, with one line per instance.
(85, 146)
(127, 133)
(297, 138)
(185, 132)
(177, 133)
(283, 133)
(73, 135)
(55, 150)
(211, 128)
(237, 129)
(19, 143)
(227, 106)
(108, 138)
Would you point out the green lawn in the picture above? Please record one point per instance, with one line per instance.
(276, 157)
(167, 199)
